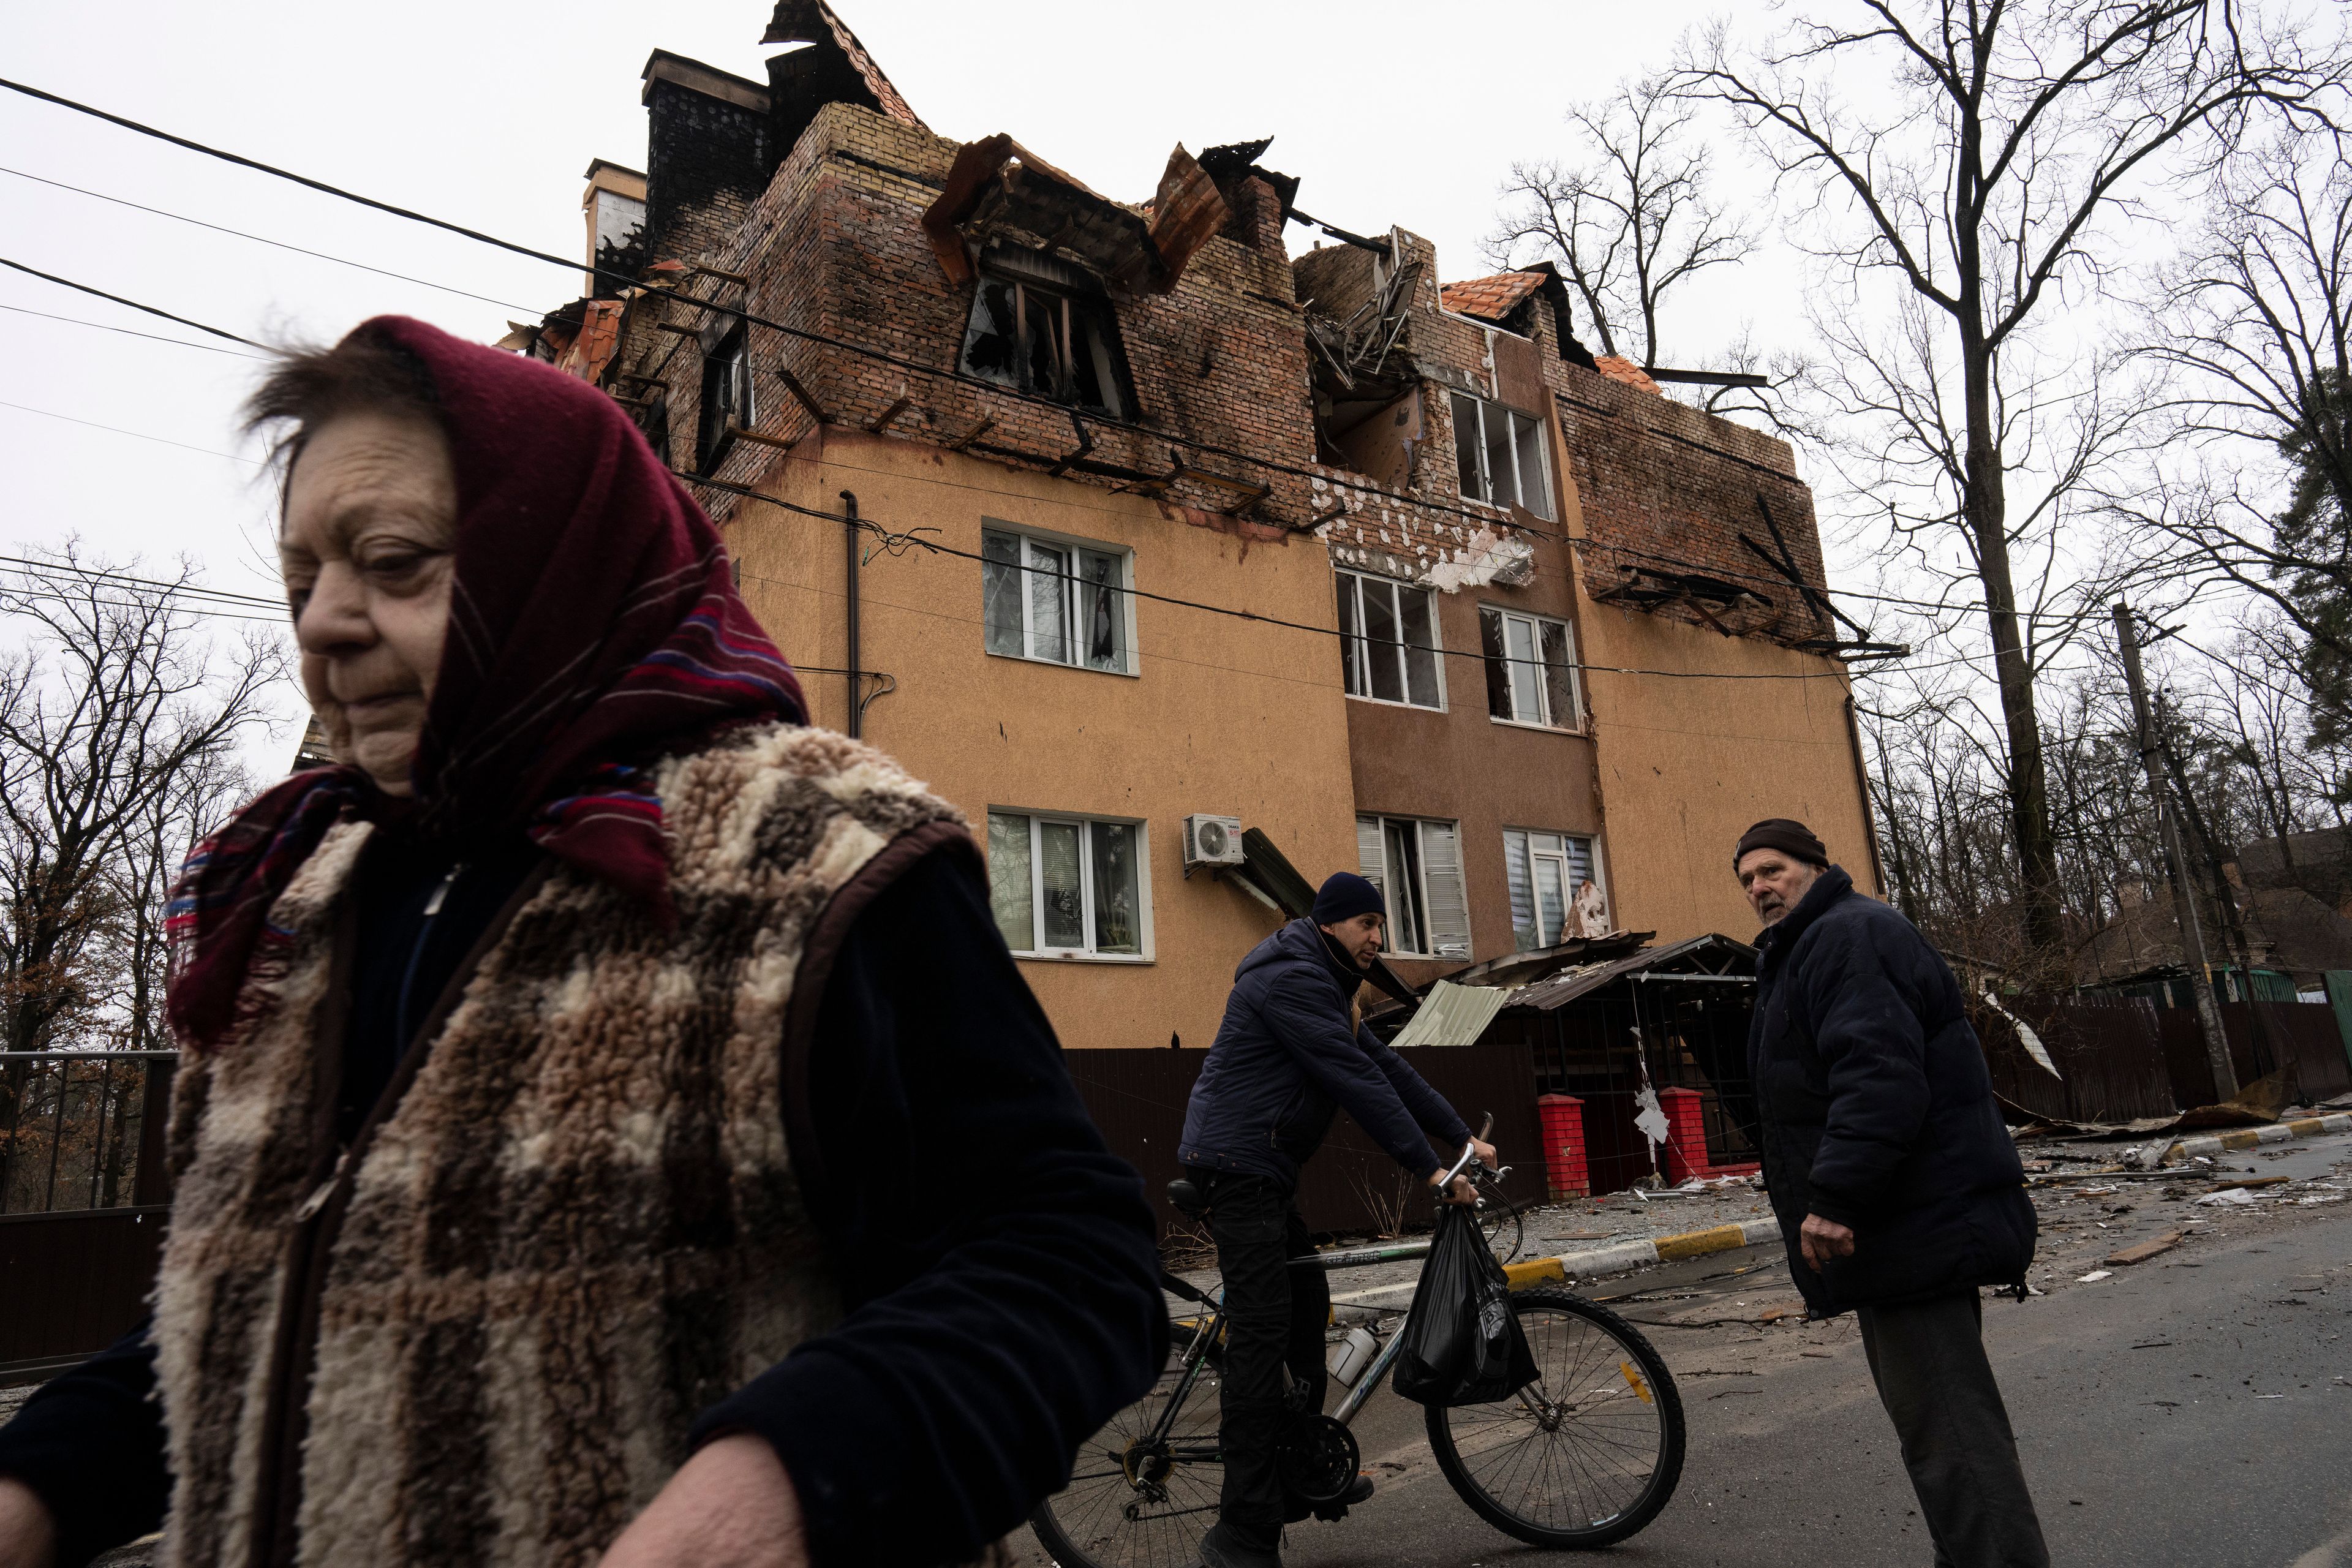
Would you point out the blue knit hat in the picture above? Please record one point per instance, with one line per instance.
(1344, 896)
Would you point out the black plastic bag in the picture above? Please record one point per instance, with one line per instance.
(1462, 1344)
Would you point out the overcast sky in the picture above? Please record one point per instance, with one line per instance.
(487, 115)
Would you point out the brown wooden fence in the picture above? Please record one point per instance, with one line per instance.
(83, 1201)
(1137, 1098)
(2120, 1059)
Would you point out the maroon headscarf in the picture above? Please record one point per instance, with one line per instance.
(593, 625)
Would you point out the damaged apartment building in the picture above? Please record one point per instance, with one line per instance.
(1137, 532)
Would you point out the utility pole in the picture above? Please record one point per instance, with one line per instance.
(2184, 905)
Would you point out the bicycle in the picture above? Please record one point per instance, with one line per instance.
(1585, 1456)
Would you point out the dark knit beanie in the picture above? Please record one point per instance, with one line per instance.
(1789, 837)
(1344, 896)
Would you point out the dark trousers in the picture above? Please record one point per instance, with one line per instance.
(1928, 1360)
(1274, 1315)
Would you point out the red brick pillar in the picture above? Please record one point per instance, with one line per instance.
(1686, 1135)
(1562, 1116)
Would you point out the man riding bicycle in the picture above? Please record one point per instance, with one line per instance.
(1291, 1052)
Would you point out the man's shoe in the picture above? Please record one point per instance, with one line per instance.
(1240, 1546)
(1358, 1491)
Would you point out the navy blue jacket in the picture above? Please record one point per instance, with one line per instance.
(1878, 1110)
(1285, 1059)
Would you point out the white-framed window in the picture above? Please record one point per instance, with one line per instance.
(1069, 887)
(1501, 454)
(1549, 873)
(1056, 600)
(1388, 641)
(1530, 669)
(1417, 867)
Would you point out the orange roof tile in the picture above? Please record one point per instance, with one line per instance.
(1617, 367)
(1489, 299)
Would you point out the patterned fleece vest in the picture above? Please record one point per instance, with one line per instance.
(578, 1227)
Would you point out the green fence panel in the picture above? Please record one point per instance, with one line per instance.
(2340, 996)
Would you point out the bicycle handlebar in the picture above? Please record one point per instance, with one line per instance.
(1469, 1151)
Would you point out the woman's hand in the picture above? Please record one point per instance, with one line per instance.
(730, 1506)
(29, 1536)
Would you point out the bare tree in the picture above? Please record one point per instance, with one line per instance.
(1628, 220)
(2253, 324)
(117, 725)
(1987, 158)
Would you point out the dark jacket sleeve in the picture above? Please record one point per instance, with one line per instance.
(1000, 1265)
(89, 1442)
(1866, 1010)
(1298, 1012)
(1437, 1116)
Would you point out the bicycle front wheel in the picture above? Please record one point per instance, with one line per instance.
(1588, 1453)
(1141, 1497)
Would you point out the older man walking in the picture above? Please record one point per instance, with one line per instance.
(1895, 1184)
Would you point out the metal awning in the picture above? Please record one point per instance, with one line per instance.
(1702, 960)
(1453, 1015)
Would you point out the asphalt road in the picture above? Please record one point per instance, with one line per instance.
(2194, 1410)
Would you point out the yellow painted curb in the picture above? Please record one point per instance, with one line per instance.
(1533, 1272)
(2240, 1141)
(2309, 1127)
(1698, 1243)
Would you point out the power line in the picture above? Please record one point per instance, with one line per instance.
(277, 244)
(117, 430)
(127, 331)
(71, 569)
(117, 299)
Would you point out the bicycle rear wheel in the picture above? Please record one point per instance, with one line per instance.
(1137, 1500)
(1588, 1453)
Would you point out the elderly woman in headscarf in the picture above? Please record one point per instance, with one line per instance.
(609, 1127)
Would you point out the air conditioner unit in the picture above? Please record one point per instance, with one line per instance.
(1212, 841)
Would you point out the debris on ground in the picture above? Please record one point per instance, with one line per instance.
(2147, 1249)
(2225, 1197)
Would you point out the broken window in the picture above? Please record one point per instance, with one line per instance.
(1417, 867)
(726, 398)
(1548, 872)
(1501, 454)
(1049, 599)
(1045, 327)
(1067, 885)
(1388, 641)
(1530, 669)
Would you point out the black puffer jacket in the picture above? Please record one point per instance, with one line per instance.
(1877, 1109)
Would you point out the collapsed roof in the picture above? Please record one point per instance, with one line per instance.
(997, 186)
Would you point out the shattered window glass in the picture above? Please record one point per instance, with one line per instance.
(1049, 603)
(1527, 439)
(1388, 648)
(1060, 343)
(1103, 620)
(1118, 927)
(726, 398)
(1045, 600)
(1499, 455)
(1469, 449)
(1000, 593)
(1061, 883)
(1530, 669)
(1010, 895)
